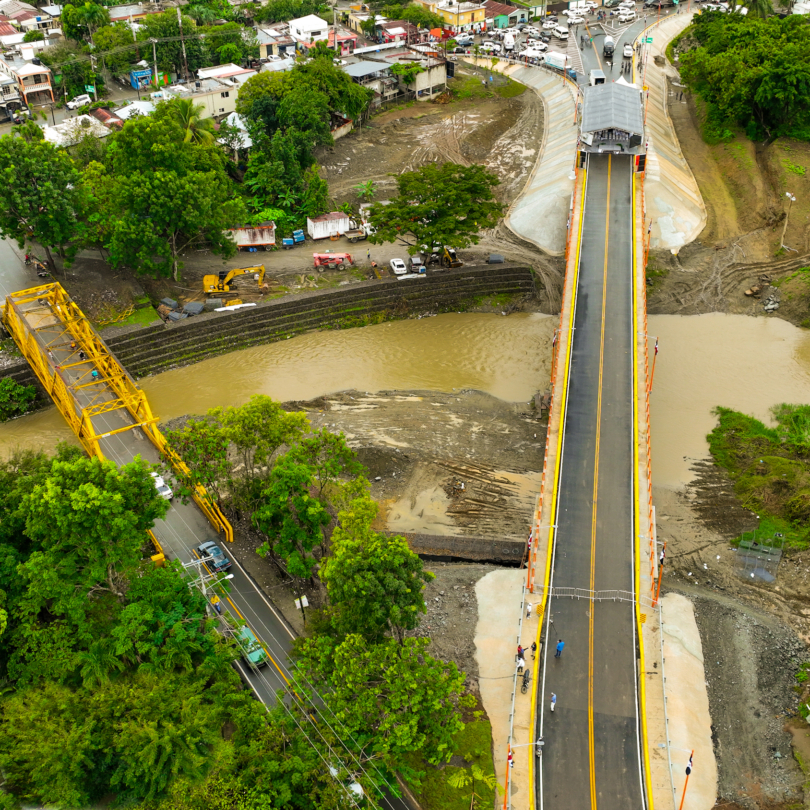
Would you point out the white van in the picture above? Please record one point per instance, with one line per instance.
(597, 77)
(560, 32)
(627, 16)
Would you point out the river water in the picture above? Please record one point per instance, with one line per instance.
(735, 361)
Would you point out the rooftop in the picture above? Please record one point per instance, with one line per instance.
(73, 130)
(135, 108)
(495, 9)
(360, 69)
(613, 106)
(308, 23)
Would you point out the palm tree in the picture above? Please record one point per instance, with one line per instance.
(204, 15)
(93, 16)
(759, 8)
(188, 114)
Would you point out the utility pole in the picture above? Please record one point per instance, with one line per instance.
(93, 65)
(182, 42)
(154, 58)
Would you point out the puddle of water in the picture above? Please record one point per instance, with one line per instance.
(748, 364)
(506, 357)
(424, 513)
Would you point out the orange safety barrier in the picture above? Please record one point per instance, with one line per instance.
(534, 534)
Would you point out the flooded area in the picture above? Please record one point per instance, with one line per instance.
(748, 364)
(738, 362)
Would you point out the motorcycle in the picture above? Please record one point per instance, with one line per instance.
(527, 677)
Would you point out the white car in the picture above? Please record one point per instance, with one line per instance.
(398, 267)
(164, 491)
(531, 31)
(560, 32)
(548, 25)
(591, 4)
(628, 50)
(627, 16)
(627, 4)
(537, 45)
(491, 47)
(572, 20)
(79, 101)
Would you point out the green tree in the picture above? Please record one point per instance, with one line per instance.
(189, 116)
(90, 519)
(15, 399)
(33, 36)
(407, 73)
(752, 72)
(445, 204)
(166, 30)
(40, 195)
(392, 699)
(92, 17)
(759, 8)
(291, 517)
(461, 778)
(307, 110)
(375, 582)
(115, 42)
(284, 10)
(366, 191)
(168, 196)
(417, 15)
(229, 52)
(70, 62)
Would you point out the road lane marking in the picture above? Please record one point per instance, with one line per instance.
(591, 754)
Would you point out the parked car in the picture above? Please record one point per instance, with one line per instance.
(398, 267)
(79, 101)
(560, 32)
(537, 45)
(627, 16)
(529, 30)
(575, 20)
(253, 653)
(549, 25)
(591, 4)
(218, 561)
(164, 490)
(459, 50)
(628, 50)
(627, 4)
(416, 264)
(611, 3)
(491, 47)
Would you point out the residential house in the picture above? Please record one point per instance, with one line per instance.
(216, 96)
(34, 21)
(10, 100)
(235, 73)
(309, 29)
(501, 15)
(346, 42)
(429, 83)
(33, 79)
(399, 31)
(462, 16)
(135, 109)
(70, 132)
(241, 138)
(275, 41)
(375, 76)
(129, 12)
(109, 119)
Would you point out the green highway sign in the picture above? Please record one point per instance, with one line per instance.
(648, 39)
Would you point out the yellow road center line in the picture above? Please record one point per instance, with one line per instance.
(591, 755)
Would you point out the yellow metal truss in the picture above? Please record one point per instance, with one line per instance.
(44, 318)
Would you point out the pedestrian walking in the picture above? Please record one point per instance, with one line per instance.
(82, 356)
(521, 663)
(529, 610)
(368, 253)
(217, 604)
(553, 701)
(560, 645)
(661, 558)
(534, 648)
(510, 761)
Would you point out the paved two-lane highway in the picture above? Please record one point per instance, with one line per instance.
(591, 756)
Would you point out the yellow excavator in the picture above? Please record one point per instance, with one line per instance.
(221, 283)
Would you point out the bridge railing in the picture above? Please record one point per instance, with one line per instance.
(45, 319)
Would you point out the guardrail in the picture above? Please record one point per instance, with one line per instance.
(613, 595)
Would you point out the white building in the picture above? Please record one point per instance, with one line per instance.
(237, 74)
(309, 29)
(217, 96)
(70, 132)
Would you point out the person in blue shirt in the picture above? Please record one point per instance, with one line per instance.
(560, 645)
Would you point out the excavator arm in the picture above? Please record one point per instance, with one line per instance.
(221, 282)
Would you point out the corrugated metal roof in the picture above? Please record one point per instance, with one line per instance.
(612, 106)
(333, 216)
(359, 69)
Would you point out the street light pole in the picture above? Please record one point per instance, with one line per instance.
(791, 200)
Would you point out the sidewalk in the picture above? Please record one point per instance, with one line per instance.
(674, 201)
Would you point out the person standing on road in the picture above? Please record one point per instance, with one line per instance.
(560, 645)
(529, 610)
(521, 663)
(553, 701)
(534, 648)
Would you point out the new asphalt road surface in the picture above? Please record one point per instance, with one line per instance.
(591, 755)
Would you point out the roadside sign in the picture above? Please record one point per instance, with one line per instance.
(648, 39)
(88, 88)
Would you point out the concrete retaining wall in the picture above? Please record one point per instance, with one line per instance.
(157, 348)
(477, 549)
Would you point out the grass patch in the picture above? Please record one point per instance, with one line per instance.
(793, 168)
(770, 468)
(473, 747)
(8, 346)
(655, 273)
(511, 89)
(469, 87)
(138, 317)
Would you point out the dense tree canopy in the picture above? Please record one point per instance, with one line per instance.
(753, 72)
(39, 193)
(438, 204)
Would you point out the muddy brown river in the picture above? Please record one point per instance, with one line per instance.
(739, 362)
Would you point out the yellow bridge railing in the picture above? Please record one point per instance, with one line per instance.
(43, 320)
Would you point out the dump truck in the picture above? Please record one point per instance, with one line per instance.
(221, 283)
(358, 231)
